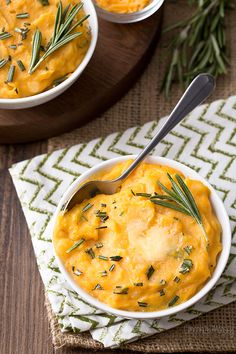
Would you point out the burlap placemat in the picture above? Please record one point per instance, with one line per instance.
(216, 330)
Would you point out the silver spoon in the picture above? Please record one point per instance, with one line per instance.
(199, 89)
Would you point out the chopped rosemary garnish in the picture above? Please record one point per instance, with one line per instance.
(102, 215)
(83, 217)
(22, 15)
(104, 258)
(121, 291)
(138, 284)
(186, 266)
(112, 267)
(5, 35)
(87, 207)
(132, 192)
(21, 65)
(62, 34)
(77, 271)
(161, 292)
(11, 73)
(3, 62)
(44, 2)
(90, 252)
(162, 281)
(188, 249)
(174, 300)
(13, 46)
(103, 273)
(147, 195)
(176, 279)
(142, 304)
(77, 244)
(22, 31)
(179, 198)
(101, 227)
(99, 245)
(103, 205)
(59, 80)
(150, 272)
(115, 258)
(98, 287)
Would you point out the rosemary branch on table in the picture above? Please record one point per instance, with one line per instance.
(179, 198)
(62, 34)
(200, 44)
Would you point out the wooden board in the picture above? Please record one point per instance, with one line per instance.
(121, 54)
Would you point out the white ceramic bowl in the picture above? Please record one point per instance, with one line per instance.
(31, 101)
(129, 17)
(219, 211)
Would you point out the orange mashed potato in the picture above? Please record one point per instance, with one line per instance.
(123, 6)
(58, 65)
(132, 254)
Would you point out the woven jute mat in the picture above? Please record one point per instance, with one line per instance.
(215, 331)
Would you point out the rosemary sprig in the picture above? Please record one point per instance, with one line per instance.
(62, 34)
(200, 44)
(180, 199)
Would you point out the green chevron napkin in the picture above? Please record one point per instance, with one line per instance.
(205, 141)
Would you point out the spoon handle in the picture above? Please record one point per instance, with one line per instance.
(199, 89)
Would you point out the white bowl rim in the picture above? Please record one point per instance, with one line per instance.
(72, 77)
(221, 262)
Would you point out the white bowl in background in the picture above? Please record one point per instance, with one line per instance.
(221, 215)
(43, 97)
(131, 17)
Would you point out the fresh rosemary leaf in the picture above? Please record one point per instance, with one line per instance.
(77, 244)
(115, 258)
(21, 65)
(5, 35)
(104, 258)
(188, 249)
(13, 46)
(186, 266)
(90, 252)
(22, 15)
(173, 301)
(112, 267)
(98, 287)
(3, 62)
(121, 291)
(101, 227)
(142, 304)
(150, 272)
(37, 38)
(138, 284)
(147, 195)
(11, 73)
(87, 207)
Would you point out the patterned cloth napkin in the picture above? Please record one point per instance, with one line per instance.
(205, 141)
